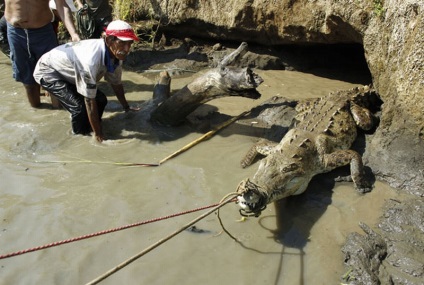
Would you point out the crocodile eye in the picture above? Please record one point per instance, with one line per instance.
(290, 167)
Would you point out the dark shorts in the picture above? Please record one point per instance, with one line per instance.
(26, 47)
(74, 103)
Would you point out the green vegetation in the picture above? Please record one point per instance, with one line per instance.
(379, 9)
(346, 278)
(126, 10)
(146, 20)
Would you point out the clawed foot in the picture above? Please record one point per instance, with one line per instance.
(362, 186)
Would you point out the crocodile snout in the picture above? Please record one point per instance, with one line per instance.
(251, 200)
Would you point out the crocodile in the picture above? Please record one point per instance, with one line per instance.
(318, 141)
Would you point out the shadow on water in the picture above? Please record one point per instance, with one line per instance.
(295, 217)
(203, 120)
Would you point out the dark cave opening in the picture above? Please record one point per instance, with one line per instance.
(344, 62)
(341, 61)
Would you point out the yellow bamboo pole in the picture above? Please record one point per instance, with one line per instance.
(100, 162)
(206, 136)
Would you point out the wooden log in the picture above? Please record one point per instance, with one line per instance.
(219, 82)
(162, 89)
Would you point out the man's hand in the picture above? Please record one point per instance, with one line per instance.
(75, 38)
(93, 117)
(99, 138)
(132, 109)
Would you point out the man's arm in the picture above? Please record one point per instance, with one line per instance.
(65, 15)
(93, 117)
(120, 94)
(79, 4)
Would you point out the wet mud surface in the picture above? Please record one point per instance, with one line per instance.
(391, 253)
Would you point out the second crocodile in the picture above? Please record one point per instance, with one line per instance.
(319, 142)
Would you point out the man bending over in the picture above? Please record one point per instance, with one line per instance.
(70, 72)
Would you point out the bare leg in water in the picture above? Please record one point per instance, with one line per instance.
(55, 102)
(33, 94)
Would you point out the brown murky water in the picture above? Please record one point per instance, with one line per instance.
(295, 242)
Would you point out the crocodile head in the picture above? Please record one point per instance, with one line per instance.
(275, 183)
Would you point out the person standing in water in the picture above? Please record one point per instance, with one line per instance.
(30, 34)
(70, 73)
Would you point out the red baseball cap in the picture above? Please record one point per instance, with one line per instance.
(122, 30)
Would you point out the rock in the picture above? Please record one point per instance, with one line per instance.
(217, 47)
(364, 254)
(395, 254)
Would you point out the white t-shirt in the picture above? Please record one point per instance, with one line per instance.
(80, 63)
(52, 5)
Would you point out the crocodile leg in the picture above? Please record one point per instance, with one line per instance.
(344, 157)
(263, 147)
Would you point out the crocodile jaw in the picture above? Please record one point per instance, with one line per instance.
(252, 200)
(248, 201)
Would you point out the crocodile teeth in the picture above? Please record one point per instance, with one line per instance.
(244, 204)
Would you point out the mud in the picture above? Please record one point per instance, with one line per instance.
(390, 252)
(393, 253)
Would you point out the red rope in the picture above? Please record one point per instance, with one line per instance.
(53, 244)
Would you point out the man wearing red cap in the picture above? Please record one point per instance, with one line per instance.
(70, 72)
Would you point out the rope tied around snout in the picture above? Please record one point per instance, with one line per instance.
(252, 198)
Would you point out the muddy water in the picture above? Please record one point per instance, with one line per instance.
(55, 186)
